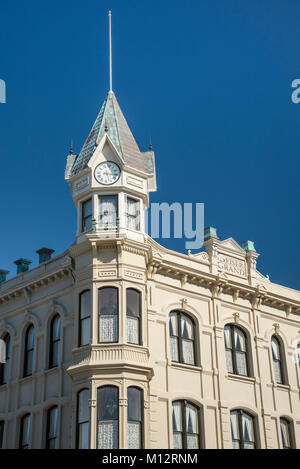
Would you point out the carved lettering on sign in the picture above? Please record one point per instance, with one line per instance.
(232, 265)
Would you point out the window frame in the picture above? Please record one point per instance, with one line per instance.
(26, 446)
(3, 366)
(142, 421)
(84, 218)
(48, 438)
(2, 430)
(234, 351)
(108, 227)
(27, 351)
(240, 413)
(184, 433)
(99, 389)
(81, 320)
(281, 361)
(78, 424)
(179, 314)
(139, 317)
(109, 314)
(138, 201)
(53, 342)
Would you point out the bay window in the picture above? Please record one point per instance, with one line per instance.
(108, 315)
(135, 418)
(108, 418)
(133, 309)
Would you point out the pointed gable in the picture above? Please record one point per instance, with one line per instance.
(111, 120)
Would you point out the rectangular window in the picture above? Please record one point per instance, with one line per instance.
(133, 214)
(52, 424)
(108, 315)
(25, 432)
(108, 211)
(86, 215)
(85, 318)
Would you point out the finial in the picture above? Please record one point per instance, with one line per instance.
(71, 148)
(105, 127)
(150, 145)
(110, 53)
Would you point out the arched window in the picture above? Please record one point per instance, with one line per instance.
(108, 418)
(1, 434)
(108, 315)
(242, 430)
(182, 338)
(286, 433)
(277, 354)
(135, 418)
(24, 432)
(29, 350)
(236, 350)
(83, 419)
(186, 425)
(85, 318)
(52, 426)
(4, 367)
(133, 302)
(55, 331)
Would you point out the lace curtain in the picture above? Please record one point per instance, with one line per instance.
(133, 214)
(173, 340)
(107, 435)
(191, 417)
(176, 417)
(132, 330)
(108, 328)
(108, 211)
(187, 333)
(248, 431)
(133, 435)
(276, 360)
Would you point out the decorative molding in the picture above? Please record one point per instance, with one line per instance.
(132, 274)
(107, 273)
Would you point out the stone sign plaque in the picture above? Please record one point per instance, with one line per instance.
(232, 265)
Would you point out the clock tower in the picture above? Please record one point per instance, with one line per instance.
(110, 179)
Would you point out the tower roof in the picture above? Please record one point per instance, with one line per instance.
(111, 120)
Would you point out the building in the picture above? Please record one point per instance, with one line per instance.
(120, 342)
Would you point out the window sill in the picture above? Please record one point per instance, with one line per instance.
(284, 387)
(246, 379)
(183, 366)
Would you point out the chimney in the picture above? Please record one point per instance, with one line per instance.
(248, 246)
(210, 232)
(3, 274)
(44, 254)
(22, 265)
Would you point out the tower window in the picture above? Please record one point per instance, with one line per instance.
(108, 211)
(108, 417)
(242, 430)
(29, 350)
(236, 350)
(55, 331)
(85, 318)
(52, 426)
(25, 432)
(182, 338)
(133, 300)
(185, 416)
(108, 315)
(82, 433)
(133, 214)
(4, 367)
(86, 215)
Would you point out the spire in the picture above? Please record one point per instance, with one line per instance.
(110, 53)
(112, 122)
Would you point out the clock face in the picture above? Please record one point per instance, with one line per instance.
(107, 173)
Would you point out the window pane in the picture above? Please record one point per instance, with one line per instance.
(108, 435)
(284, 426)
(133, 219)
(87, 208)
(108, 211)
(85, 331)
(1, 435)
(108, 300)
(191, 418)
(132, 330)
(83, 436)
(133, 302)
(227, 335)
(229, 363)
(55, 354)
(30, 338)
(29, 363)
(56, 328)
(192, 441)
(247, 425)
(174, 349)
(25, 430)
(133, 435)
(187, 329)
(177, 441)
(53, 418)
(83, 405)
(85, 304)
(234, 420)
(108, 403)
(176, 417)
(239, 340)
(275, 349)
(241, 363)
(188, 352)
(277, 372)
(173, 324)
(134, 396)
(108, 329)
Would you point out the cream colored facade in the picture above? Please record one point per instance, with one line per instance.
(215, 287)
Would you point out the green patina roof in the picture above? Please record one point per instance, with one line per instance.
(111, 120)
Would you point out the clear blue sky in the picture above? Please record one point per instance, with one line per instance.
(209, 80)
